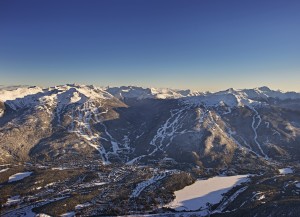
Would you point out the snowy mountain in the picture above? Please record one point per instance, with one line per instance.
(95, 115)
(73, 91)
(148, 135)
(150, 93)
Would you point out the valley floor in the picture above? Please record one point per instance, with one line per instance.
(92, 189)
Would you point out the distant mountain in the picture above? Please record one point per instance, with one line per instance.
(143, 93)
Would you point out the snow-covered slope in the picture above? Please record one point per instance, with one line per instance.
(145, 143)
(144, 93)
(116, 127)
(130, 92)
(60, 96)
(241, 97)
(230, 97)
(20, 92)
(73, 93)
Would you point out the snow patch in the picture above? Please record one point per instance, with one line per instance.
(141, 186)
(42, 215)
(19, 176)
(198, 195)
(81, 206)
(13, 200)
(3, 170)
(59, 168)
(287, 170)
(68, 214)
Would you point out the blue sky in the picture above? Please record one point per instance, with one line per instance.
(201, 45)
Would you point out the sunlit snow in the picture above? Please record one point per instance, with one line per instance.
(18, 176)
(284, 171)
(197, 195)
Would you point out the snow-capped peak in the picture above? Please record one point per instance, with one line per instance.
(19, 92)
(130, 92)
(63, 95)
(60, 96)
(241, 97)
(144, 93)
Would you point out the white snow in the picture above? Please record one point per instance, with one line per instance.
(166, 93)
(98, 183)
(298, 185)
(85, 115)
(57, 98)
(75, 98)
(26, 211)
(12, 200)
(91, 184)
(3, 170)
(146, 93)
(19, 176)
(74, 93)
(81, 206)
(130, 92)
(22, 212)
(165, 133)
(261, 197)
(197, 195)
(50, 184)
(285, 171)
(42, 215)
(255, 126)
(231, 97)
(141, 186)
(21, 92)
(223, 205)
(241, 97)
(59, 168)
(68, 214)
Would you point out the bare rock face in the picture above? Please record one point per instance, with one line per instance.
(2, 109)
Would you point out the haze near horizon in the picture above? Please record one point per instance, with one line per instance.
(198, 45)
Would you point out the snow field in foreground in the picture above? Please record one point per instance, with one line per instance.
(197, 195)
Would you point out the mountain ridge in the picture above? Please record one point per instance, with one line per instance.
(11, 92)
(83, 110)
(109, 144)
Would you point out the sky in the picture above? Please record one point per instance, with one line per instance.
(184, 44)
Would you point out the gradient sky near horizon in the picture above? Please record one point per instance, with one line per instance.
(200, 45)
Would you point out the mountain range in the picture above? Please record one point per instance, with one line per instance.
(198, 134)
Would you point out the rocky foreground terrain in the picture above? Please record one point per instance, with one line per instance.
(87, 151)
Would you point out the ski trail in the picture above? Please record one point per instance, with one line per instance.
(229, 133)
(113, 142)
(165, 134)
(167, 131)
(255, 126)
(82, 118)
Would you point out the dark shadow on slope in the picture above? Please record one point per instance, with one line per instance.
(139, 121)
